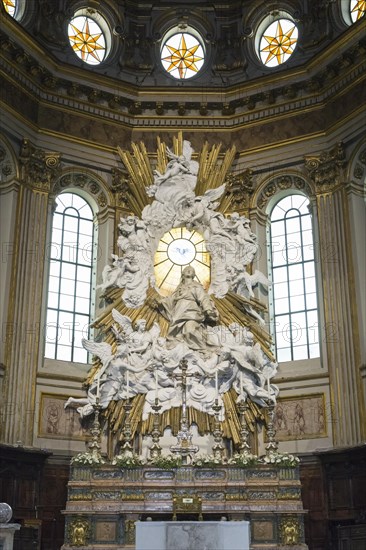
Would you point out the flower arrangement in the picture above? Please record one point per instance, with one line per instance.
(209, 461)
(87, 459)
(243, 459)
(166, 461)
(128, 460)
(281, 460)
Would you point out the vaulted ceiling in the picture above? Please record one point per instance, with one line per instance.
(43, 77)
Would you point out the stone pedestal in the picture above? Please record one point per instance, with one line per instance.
(7, 531)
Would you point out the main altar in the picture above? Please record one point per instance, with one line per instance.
(182, 379)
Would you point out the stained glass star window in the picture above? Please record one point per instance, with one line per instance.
(87, 40)
(278, 42)
(182, 55)
(10, 6)
(357, 9)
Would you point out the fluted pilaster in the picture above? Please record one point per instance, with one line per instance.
(23, 326)
(340, 308)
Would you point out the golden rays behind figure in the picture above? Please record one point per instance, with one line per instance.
(213, 169)
(212, 172)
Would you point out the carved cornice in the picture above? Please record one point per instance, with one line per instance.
(38, 168)
(326, 170)
(235, 106)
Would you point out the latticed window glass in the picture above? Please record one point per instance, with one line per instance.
(294, 291)
(87, 39)
(278, 42)
(10, 6)
(357, 9)
(182, 55)
(70, 279)
(177, 249)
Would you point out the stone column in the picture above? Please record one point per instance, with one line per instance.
(341, 331)
(38, 170)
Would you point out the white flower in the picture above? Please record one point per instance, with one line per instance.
(87, 459)
(281, 459)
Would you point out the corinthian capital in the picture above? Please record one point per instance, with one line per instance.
(39, 168)
(327, 169)
(240, 186)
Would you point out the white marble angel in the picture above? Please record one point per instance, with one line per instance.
(239, 227)
(243, 282)
(121, 273)
(135, 342)
(133, 234)
(109, 379)
(178, 180)
(178, 164)
(197, 212)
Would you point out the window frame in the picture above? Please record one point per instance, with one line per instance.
(261, 27)
(102, 20)
(92, 280)
(303, 262)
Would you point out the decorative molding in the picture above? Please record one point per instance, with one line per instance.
(312, 88)
(79, 532)
(240, 186)
(38, 168)
(7, 167)
(326, 170)
(290, 531)
(83, 181)
(121, 183)
(281, 183)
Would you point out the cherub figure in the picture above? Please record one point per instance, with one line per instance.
(243, 282)
(133, 233)
(107, 381)
(178, 164)
(136, 342)
(118, 274)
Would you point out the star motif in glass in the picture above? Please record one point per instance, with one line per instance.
(357, 9)
(10, 6)
(278, 42)
(182, 55)
(87, 40)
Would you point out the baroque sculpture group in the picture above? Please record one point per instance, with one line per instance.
(219, 356)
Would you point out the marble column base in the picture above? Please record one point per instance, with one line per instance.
(7, 531)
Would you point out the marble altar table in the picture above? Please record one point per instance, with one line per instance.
(191, 535)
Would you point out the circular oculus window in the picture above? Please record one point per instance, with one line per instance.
(178, 248)
(357, 9)
(278, 42)
(182, 55)
(87, 39)
(10, 6)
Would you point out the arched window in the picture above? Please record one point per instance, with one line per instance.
(294, 296)
(70, 279)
